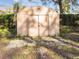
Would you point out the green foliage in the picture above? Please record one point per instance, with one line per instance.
(64, 30)
(4, 32)
(6, 24)
(16, 7)
(70, 19)
(6, 20)
(66, 6)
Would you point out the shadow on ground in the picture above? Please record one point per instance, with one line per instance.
(43, 49)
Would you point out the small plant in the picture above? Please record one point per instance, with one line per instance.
(64, 30)
(4, 32)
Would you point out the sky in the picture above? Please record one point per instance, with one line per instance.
(6, 2)
(9, 3)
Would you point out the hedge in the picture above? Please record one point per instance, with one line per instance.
(70, 19)
(7, 23)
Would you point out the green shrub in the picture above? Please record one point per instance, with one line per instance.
(64, 30)
(6, 20)
(4, 32)
(7, 26)
(69, 19)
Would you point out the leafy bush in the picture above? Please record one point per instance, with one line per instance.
(7, 26)
(4, 32)
(70, 19)
(64, 30)
(6, 20)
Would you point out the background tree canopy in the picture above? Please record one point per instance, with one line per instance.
(65, 6)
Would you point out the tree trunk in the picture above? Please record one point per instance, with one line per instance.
(60, 6)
